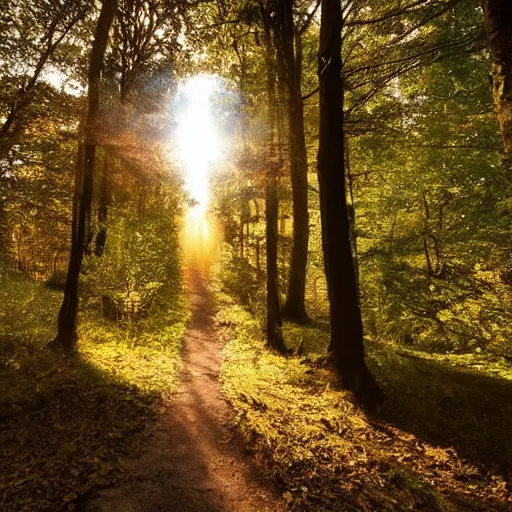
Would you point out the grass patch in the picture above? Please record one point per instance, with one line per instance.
(148, 359)
(65, 421)
(329, 455)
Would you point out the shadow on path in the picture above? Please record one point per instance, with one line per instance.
(191, 460)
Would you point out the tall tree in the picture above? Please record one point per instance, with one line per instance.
(287, 38)
(66, 335)
(141, 31)
(498, 23)
(346, 336)
(274, 322)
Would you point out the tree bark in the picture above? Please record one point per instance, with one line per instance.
(290, 71)
(346, 336)
(242, 237)
(498, 24)
(67, 321)
(352, 214)
(274, 322)
(104, 202)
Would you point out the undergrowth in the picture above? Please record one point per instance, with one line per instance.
(329, 455)
(65, 421)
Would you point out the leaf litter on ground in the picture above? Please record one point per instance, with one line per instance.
(330, 455)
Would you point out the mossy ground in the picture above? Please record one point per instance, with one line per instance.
(441, 441)
(65, 421)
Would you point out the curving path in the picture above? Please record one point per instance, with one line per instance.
(192, 460)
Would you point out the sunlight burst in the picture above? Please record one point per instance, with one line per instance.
(198, 140)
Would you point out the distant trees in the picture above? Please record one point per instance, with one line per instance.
(414, 105)
(134, 43)
(397, 87)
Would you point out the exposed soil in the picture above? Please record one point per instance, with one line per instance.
(191, 459)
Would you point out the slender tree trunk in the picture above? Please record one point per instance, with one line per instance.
(426, 235)
(498, 23)
(290, 71)
(104, 201)
(7, 141)
(352, 216)
(274, 322)
(66, 335)
(346, 339)
(4, 244)
(242, 238)
(258, 260)
(392, 233)
(294, 308)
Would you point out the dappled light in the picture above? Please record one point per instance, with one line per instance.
(255, 256)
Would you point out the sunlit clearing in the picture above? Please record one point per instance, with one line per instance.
(198, 141)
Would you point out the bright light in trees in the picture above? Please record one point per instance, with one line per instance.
(197, 146)
(198, 142)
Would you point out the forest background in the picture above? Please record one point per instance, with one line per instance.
(426, 160)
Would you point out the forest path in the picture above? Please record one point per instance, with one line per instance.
(191, 460)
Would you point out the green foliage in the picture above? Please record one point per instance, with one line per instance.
(324, 451)
(431, 231)
(24, 315)
(147, 357)
(241, 280)
(139, 270)
(86, 406)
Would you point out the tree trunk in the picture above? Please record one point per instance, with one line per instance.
(498, 23)
(274, 322)
(346, 337)
(290, 70)
(258, 259)
(66, 335)
(352, 214)
(104, 201)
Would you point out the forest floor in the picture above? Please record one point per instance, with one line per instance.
(440, 442)
(192, 458)
(77, 433)
(65, 421)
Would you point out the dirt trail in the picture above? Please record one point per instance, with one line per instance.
(192, 460)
